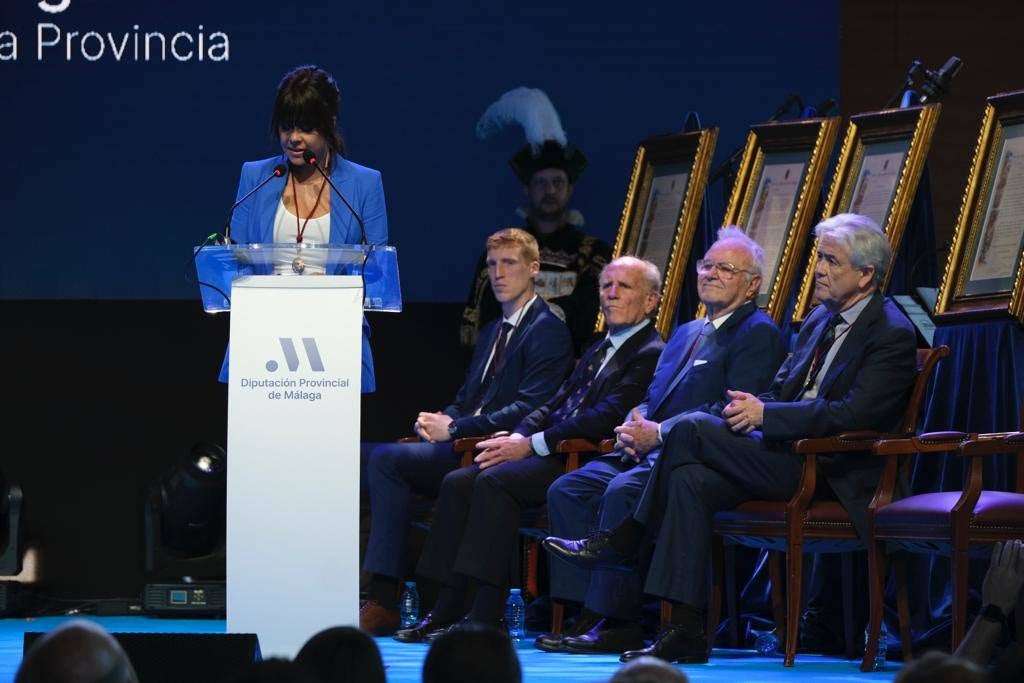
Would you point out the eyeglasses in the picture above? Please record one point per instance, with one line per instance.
(726, 271)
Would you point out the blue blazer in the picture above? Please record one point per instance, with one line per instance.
(537, 358)
(253, 220)
(742, 355)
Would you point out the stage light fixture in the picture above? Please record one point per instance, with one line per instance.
(185, 530)
(193, 500)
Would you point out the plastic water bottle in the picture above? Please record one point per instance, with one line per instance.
(767, 643)
(410, 605)
(515, 615)
(883, 647)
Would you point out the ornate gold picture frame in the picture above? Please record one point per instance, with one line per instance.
(775, 198)
(984, 274)
(662, 206)
(880, 165)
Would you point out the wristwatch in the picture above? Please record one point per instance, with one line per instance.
(992, 612)
(453, 430)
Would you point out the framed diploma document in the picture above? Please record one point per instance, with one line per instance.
(880, 165)
(663, 202)
(983, 276)
(776, 195)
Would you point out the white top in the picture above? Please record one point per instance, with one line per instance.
(318, 231)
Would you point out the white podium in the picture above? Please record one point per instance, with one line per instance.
(293, 453)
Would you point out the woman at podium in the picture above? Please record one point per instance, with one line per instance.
(300, 205)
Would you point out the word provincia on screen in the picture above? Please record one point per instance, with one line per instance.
(54, 42)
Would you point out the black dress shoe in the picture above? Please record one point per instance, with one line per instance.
(418, 633)
(606, 640)
(430, 637)
(592, 552)
(673, 645)
(551, 643)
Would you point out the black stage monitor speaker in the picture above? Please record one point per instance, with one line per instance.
(180, 657)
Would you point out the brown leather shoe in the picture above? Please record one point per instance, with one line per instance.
(377, 619)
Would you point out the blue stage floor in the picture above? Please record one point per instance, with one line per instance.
(404, 661)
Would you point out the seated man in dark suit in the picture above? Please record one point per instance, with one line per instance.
(517, 365)
(852, 369)
(477, 516)
(736, 346)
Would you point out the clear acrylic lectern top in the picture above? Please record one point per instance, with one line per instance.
(218, 266)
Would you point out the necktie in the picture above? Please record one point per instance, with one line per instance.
(581, 384)
(698, 343)
(499, 348)
(828, 337)
(495, 365)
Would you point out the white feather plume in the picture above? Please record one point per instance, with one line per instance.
(531, 109)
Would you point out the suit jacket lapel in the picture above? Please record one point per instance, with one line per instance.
(341, 217)
(853, 345)
(624, 353)
(523, 327)
(267, 200)
(476, 379)
(680, 370)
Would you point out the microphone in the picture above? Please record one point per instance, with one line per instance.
(936, 83)
(311, 160)
(279, 170)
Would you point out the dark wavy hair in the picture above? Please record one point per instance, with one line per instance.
(308, 98)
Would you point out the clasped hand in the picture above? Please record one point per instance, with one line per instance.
(432, 427)
(503, 449)
(744, 413)
(638, 436)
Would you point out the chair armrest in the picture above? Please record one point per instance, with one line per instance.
(607, 446)
(931, 442)
(847, 441)
(577, 446)
(409, 439)
(988, 444)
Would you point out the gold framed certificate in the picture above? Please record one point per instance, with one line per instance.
(984, 269)
(663, 200)
(775, 196)
(880, 166)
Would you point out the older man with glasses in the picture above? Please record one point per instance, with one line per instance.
(735, 346)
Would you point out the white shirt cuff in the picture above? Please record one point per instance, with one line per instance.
(540, 446)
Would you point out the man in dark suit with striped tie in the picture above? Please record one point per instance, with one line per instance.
(735, 346)
(477, 514)
(518, 364)
(852, 369)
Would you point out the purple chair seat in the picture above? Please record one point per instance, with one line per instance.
(994, 509)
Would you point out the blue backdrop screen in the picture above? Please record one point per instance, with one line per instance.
(126, 123)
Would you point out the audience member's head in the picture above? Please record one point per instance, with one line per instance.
(649, 670)
(938, 667)
(76, 652)
(472, 654)
(273, 671)
(341, 654)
